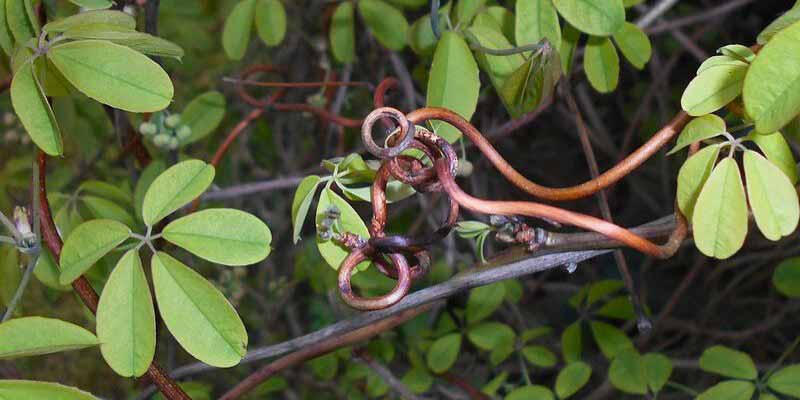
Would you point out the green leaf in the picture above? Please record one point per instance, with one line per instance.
(610, 339)
(786, 277)
(342, 33)
(221, 235)
(484, 300)
(771, 95)
(601, 63)
(302, 202)
(618, 308)
(6, 37)
(174, 188)
(720, 214)
(572, 378)
(22, 20)
(349, 221)
(693, 176)
(717, 61)
(30, 104)
(15, 389)
(87, 244)
(443, 353)
(141, 42)
(738, 52)
(533, 82)
(387, 23)
(47, 272)
(572, 342)
(199, 317)
(777, 151)
(786, 381)
(539, 356)
(534, 333)
(595, 17)
(729, 390)
(784, 21)
(107, 209)
(33, 336)
(536, 20)
(713, 89)
(490, 335)
(110, 19)
(634, 45)
(453, 82)
(203, 115)
(466, 10)
(417, 380)
(149, 174)
(270, 21)
(324, 367)
(107, 191)
(728, 362)
(236, 33)
(627, 373)
(10, 272)
(495, 384)
(698, 129)
(93, 4)
(531, 392)
(657, 370)
(420, 35)
(601, 289)
(772, 197)
(499, 16)
(569, 43)
(114, 75)
(126, 321)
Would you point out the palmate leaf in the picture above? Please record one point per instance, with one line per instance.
(772, 197)
(189, 305)
(203, 114)
(692, 177)
(221, 235)
(302, 202)
(270, 20)
(595, 17)
(126, 323)
(453, 82)
(342, 33)
(611, 340)
(627, 372)
(386, 22)
(18, 389)
(720, 214)
(238, 25)
(572, 378)
(32, 336)
(728, 362)
(174, 188)
(713, 89)
(87, 244)
(537, 20)
(444, 352)
(657, 370)
(30, 104)
(114, 75)
(108, 19)
(601, 63)
(349, 221)
(772, 86)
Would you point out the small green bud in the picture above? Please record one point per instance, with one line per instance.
(173, 121)
(148, 128)
(184, 132)
(161, 140)
(173, 142)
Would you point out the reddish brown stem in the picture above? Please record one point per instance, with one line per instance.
(606, 179)
(81, 285)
